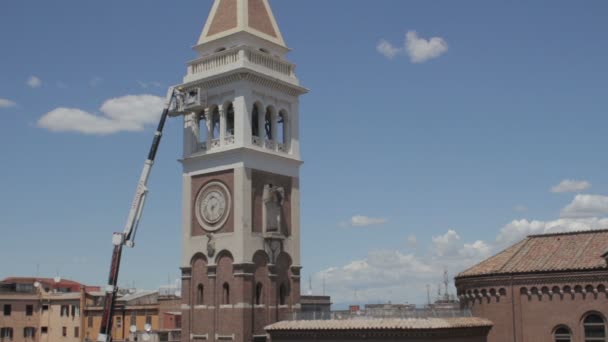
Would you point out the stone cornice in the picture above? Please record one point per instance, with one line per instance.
(532, 279)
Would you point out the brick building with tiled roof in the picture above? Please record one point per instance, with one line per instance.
(545, 288)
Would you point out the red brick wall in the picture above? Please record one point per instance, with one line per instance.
(531, 312)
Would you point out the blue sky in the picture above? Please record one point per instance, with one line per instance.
(411, 166)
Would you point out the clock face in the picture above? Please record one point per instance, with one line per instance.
(213, 206)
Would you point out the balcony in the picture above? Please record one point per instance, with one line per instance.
(238, 57)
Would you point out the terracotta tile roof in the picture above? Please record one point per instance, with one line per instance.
(571, 251)
(382, 324)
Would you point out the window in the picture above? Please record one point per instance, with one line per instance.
(133, 318)
(44, 330)
(65, 310)
(282, 128)
(29, 332)
(282, 295)
(118, 322)
(230, 120)
(595, 328)
(202, 127)
(148, 319)
(64, 332)
(268, 125)
(258, 294)
(29, 310)
(226, 294)
(90, 321)
(76, 332)
(6, 334)
(215, 124)
(255, 120)
(45, 308)
(75, 310)
(562, 334)
(200, 295)
(7, 309)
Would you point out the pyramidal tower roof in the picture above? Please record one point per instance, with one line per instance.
(228, 17)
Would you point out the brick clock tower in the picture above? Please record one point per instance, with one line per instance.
(241, 190)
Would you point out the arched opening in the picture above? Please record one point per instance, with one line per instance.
(268, 124)
(595, 328)
(215, 124)
(282, 132)
(258, 294)
(226, 294)
(202, 127)
(255, 119)
(562, 334)
(200, 295)
(282, 295)
(230, 120)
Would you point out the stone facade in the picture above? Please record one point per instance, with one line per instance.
(241, 165)
(540, 288)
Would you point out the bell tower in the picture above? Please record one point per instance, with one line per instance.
(241, 190)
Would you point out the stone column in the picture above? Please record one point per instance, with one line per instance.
(209, 123)
(261, 121)
(223, 127)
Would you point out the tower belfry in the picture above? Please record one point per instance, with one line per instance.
(241, 165)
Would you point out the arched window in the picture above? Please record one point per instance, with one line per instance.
(215, 123)
(282, 295)
(562, 334)
(200, 299)
(255, 119)
(282, 128)
(595, 328)
(258, 294)
(202, 127)
(226, 294)
(268, 124)
(230, 120)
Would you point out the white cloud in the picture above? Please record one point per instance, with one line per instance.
(366, 221)
(412, 241)
(5, 103)
(393, 275)
(127, 113)
(569, 185)
(34, 82)
(387, 49)
(586, 206)
(519, 229)
(447, 244)
(421, 50)
(477, 250)
(418, 49)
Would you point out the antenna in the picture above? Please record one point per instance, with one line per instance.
(446, 282)
(428, 294)
(310, 285)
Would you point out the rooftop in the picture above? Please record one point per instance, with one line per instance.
(572, 251)
(382, 324)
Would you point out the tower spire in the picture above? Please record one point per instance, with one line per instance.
(231, 17)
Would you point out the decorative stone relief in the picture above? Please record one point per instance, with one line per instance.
(273, 197)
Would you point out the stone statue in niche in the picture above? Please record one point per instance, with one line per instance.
(273, 199)
(210, 245)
